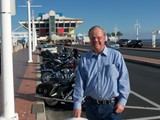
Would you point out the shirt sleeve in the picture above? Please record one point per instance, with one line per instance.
(123, 82)
(79, 86)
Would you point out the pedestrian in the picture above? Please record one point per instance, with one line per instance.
(23, 44)
(102, 77)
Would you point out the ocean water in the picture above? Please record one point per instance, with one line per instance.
(150, 40)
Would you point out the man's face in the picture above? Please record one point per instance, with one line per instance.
(97, 39)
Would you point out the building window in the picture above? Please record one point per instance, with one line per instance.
(73, 24)
(47, 25)
(60, 24)
(66, 24)
(42, 25)
(66, 30)
(37, 25)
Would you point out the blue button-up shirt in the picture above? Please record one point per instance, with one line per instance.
(102, 77)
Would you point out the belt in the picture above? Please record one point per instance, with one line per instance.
(103, 102)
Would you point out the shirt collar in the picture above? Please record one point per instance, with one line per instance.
(104, 52)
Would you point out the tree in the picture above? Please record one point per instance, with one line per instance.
(113, 34)
(108, 35)
(119, 34)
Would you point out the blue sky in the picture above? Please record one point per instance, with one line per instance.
(106, 13)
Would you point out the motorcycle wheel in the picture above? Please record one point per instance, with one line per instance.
(51, 103)
(46, 76)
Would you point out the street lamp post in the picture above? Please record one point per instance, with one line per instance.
(115, 31)
(33, 32)
(137, 25)
(29, 33)
(29, 28)
(7, 84)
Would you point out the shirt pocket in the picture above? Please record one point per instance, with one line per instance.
(111, 71)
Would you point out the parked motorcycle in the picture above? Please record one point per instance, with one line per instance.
(59, 67)
(59, 79)
(57, 90)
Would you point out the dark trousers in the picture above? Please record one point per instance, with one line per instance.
(96, 111)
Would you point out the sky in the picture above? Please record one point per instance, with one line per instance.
(106, 13)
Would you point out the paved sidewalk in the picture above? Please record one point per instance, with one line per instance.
(26, 105)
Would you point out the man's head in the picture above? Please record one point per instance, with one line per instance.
(97, 38)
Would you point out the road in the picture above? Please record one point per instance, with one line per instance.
(140, 53)
(144, 100)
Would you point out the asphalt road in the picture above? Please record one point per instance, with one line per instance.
(141, 52)
(144, 100)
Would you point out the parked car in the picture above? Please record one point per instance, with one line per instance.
(112, 44)
(41, 44)
(49, 47)
(135, 43)
(122, 42)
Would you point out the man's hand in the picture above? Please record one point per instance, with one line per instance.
(77, 113)
(119, 108)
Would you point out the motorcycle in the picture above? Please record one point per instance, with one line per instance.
(58, 84)
(63, 70)
(60, 68)
(57, 90)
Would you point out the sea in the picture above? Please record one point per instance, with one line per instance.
(149, 40)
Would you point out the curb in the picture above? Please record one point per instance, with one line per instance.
(143, 62)
(41, 115)
(141, 49)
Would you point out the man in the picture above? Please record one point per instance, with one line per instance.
(102, 77)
